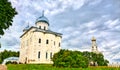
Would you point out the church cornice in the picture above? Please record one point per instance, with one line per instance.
(27, 31)
(48, 32)
(41, 30)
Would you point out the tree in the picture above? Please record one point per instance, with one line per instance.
(99, 58)
(67, 58)
(7, 12)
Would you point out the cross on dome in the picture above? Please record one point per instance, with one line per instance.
(43, 13)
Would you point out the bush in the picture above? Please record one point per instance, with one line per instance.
(66, 58)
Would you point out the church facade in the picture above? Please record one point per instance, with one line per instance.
(38, 43)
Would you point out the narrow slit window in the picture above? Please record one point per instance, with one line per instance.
(38, 54)
(44, 28)
(39, 40)
(47, 42)
(51, 55)
(46, 55)
(54, 43)
(39, 27)
(59, 44)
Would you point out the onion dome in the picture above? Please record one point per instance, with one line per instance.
(42, 19)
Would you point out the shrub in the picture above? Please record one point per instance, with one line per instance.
(66, 58)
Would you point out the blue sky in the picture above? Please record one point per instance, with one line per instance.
(77, 20)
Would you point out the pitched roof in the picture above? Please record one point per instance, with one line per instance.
(42, 30)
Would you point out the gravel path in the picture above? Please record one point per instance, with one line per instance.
(3, 67)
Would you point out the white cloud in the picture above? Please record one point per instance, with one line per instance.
(91, 24)
(113, 23)
(94, 2)
(117, 56)
(91, 31)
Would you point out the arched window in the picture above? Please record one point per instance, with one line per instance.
(47, 41)
(59, 44)
(54, 43)
(39, 27)
(51, 55)
(39, 40)
(46, 55)
(44, 28)
(39, 54)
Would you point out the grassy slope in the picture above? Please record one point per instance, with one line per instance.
(50, 67)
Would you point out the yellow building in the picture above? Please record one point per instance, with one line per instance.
(38, 43)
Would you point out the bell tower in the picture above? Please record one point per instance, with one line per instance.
(94, 45)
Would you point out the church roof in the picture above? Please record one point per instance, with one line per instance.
(41, 30)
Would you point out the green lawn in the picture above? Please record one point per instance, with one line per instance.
(50, 67)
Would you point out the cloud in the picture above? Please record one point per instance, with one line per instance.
(113, 23)
(95, 2)
(116, 56)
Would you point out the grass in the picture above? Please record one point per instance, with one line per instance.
(50, 67)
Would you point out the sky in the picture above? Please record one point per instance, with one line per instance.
(77, 20)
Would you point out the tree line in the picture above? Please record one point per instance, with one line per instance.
(6, 54)
(68, 58)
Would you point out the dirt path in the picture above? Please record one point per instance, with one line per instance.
(3, 67)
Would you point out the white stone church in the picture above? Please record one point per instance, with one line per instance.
(39, 43)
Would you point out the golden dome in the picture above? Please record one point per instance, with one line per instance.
(93, 38)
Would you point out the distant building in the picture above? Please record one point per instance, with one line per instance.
(94, 45)
(38, 43)
(94, 49)
(11, 59)
(114, 65)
